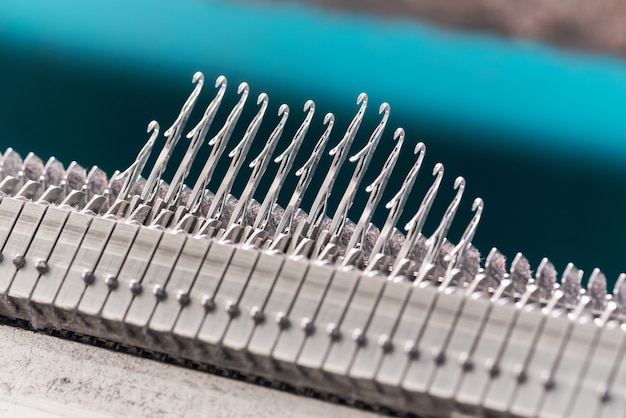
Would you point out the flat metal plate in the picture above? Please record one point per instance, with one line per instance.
(179, 282)
(109, 265)
(609, 349)
(432, 346)
(546, 353)
(134, 269)
(302, 317)
(460, 353)
(44, 241)
(159, 271)
(253, 300)
(405, 338)
(84, 263)
(227, 297)
(353, 325)
(278, 306)
(473, 385)
(18, 241)
(334, 305)
(568, 374)
(60, 260)
(201, 295)
(378, 334)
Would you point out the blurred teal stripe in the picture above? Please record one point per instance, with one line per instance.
(542, 99)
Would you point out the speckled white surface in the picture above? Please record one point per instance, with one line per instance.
(42, 376)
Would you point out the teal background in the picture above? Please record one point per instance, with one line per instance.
(537, 132)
